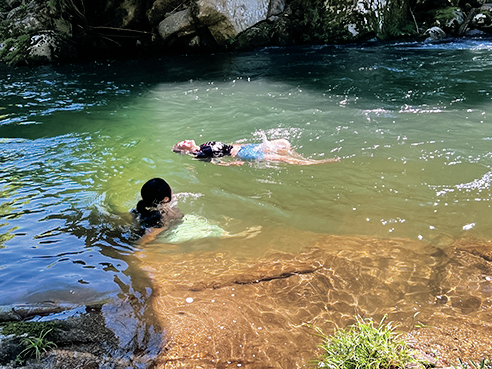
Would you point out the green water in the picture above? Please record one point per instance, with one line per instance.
(410, 122)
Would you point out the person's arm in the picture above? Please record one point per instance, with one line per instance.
(227, 163)
(150, 236)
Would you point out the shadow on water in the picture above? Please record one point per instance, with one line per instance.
(115, 295)
(60, 260)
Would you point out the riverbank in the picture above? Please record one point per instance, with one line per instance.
(42, 31)
(108, 334)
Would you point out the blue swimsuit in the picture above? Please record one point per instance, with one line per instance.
(251, 152)
(216, 149)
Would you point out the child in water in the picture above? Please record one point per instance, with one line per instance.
(279, 150)
(156, 213)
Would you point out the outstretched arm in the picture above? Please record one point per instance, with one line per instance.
(299, 161)
(227, 163)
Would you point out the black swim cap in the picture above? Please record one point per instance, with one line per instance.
(155, 190)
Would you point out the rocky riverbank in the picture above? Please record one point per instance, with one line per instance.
(109, 334)
(45, 31)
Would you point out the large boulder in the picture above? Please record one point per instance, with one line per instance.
(478, 21)
(35, 32)
(434, 34)
(221, 19)
(482, 20)
(303, 20)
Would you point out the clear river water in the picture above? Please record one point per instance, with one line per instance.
(410, 122)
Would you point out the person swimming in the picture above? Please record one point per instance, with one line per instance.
(157, 213)
(279, 150)
(155, 210)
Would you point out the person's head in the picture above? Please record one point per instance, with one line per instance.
(156, 191)
(186, 146)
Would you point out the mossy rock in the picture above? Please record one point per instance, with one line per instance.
(317, 21)
(36, 48)
(257, 36)
(31, 329)
(483, 21)
(449, 19)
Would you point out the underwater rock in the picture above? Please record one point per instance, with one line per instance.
(260, 312)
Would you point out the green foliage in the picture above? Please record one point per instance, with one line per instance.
(443, 15)
(40, 337)
(59, 4)
(14, 51)
(311, 21)
(366, 346)
(483, 364)
(397, 22)
(36, 346)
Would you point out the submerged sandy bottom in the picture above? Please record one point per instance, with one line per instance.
(225, 309)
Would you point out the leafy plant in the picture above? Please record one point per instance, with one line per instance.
(36, 346)
(483, 364)
(364, 345)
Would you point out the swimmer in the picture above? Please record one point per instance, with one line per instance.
(156, 212)
(279, 150)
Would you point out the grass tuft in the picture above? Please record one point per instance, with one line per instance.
(364, 345)
(483, 364)
(35, 347)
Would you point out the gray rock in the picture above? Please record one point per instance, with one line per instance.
(276, 7)
(178, 23)
(435, 34)
(242, 14)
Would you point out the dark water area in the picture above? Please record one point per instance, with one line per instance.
(408, 120)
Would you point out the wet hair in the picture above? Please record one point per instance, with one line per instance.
(152, 211)
(155, 190)
(213, 149)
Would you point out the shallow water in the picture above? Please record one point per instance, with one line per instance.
(410, 122)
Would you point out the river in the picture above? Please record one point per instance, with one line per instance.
(408, 120)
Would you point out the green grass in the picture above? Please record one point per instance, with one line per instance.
(365, 345)
(36, 346)
(483, 364)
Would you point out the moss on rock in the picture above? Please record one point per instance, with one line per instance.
(337, 21)
(31, 329)
(449, 19)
